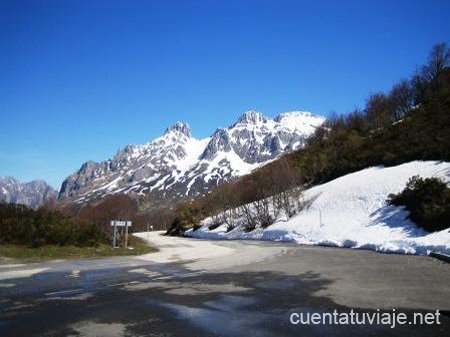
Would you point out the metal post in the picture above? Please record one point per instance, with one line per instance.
(114, 240)
(148, 231)
(126, 234)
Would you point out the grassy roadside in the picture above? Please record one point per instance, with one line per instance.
(23, 253)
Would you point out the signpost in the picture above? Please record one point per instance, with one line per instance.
(120, 223)
(148, 231)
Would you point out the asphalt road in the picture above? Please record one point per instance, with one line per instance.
(240, 288)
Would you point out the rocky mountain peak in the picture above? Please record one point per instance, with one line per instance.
(220, 141)
(181, 127)
(251, 117)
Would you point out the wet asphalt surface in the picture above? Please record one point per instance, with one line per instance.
(128, 297)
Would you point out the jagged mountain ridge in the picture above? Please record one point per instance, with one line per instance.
(177, 165)
(32, 194)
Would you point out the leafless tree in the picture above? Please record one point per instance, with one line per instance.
(227, 201)
(377, 110)
(250, 217)
(438, 59)
(402, 99)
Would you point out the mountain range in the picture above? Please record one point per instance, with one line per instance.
(177, 165)
(32, 194)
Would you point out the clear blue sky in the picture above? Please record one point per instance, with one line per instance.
(80, 79)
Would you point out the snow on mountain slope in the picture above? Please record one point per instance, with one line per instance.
(137, 168)
(177, 165)
(352, 212)
(32, 194)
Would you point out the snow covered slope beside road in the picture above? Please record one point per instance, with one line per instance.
(352, 211)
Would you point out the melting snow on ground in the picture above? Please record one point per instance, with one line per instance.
(352, 212)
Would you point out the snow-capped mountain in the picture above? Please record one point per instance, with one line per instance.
(32, 194)
(177, 165)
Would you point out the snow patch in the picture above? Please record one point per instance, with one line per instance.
(352, 212)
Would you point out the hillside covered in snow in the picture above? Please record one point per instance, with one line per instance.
(352, 212)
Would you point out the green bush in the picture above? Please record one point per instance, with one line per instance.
(35, 228)
(428, 202)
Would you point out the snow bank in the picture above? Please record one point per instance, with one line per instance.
(352, 212)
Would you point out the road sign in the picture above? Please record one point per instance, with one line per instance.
(115, 224)
(121, 223)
